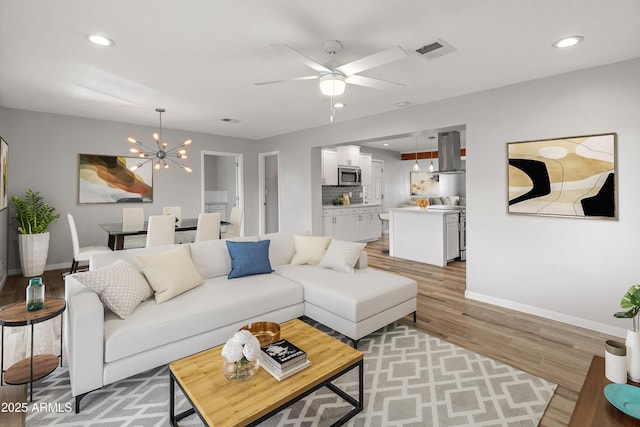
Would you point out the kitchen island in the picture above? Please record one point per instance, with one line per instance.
(424, 234)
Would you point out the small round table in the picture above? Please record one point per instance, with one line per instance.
(34, 367)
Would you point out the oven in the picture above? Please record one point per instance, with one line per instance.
(348, 175)
(463, 235)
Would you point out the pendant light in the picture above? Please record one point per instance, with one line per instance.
(159, 155)
(431, 166)
(416, 165)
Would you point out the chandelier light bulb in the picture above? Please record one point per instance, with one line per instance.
(416, 166)
(431, 166)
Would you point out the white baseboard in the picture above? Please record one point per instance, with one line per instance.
(65, 265)
(549, 314)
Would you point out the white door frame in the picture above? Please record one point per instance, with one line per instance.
(261, 184)
(239, 177)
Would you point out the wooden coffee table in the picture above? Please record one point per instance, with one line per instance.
(222, 402)
(592, 408)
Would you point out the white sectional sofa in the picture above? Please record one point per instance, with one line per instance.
(103, 348)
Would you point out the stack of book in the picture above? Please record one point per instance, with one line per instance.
(283, 359)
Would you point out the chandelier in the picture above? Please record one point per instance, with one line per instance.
(161, 155)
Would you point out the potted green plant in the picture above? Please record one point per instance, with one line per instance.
(631, 303)
(34, 217)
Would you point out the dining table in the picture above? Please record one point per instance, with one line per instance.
(117, 232)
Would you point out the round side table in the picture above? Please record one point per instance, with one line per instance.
(38, 366)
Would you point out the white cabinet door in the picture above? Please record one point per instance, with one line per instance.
(452, 237)
(374, 195)
(329, 167)
(341, 225)
(349, 155)
(365, 168)
(375, 226)
(364, 222)
(327, 225)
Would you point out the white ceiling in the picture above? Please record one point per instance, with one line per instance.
(199, 59)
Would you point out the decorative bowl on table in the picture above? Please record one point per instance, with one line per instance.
(266, 332)
(422, 203)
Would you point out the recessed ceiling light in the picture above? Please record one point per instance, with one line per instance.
(403, 104)
(99, 39)
(339, 105)
(568, 41)
(386, 144)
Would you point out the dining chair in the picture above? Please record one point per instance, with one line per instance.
(235, 223)
(133, 220)
(175, 210)
(81, 253)
(161, 230)
(208, 227)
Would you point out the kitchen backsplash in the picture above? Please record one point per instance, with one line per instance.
(330, 192)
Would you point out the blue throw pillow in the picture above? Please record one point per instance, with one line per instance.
(248, 258)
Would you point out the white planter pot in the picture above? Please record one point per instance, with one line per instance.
(34, 249)
(633, 355)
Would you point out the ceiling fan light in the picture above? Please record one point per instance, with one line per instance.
(332, 84)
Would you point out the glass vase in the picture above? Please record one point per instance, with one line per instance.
(241, 370)
(35, 294)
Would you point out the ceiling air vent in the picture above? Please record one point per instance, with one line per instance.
(435, 50)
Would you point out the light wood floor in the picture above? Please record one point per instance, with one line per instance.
(554, 351)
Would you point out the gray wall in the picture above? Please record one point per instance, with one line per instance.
(568, 269)
(43, 156)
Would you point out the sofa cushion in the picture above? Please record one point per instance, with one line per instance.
(120, 286)
(249, 258)
(281, 249)
(169, 273)
(309, 249)
(211, 257)
(354, 297)
(216, 303)
(102, 259)
(341, 255)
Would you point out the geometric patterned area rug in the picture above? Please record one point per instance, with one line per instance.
(411, 379)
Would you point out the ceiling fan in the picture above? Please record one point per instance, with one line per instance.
(334, 78)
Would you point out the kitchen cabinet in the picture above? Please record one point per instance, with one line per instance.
(423, 235)
(349, 155)
(452, 236)
(217, 207)
(354, 224)
(365, 169)
(329, 167)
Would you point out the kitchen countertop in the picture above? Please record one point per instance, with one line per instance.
(415, 209)
(352, 205)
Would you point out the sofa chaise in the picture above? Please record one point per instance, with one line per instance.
(104, 347)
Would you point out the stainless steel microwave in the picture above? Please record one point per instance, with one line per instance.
(349, 175)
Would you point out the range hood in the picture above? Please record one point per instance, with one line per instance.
(449, 153)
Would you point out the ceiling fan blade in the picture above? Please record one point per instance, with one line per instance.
(374, 83)
(287, 80)
(303, 58)
(373, 61)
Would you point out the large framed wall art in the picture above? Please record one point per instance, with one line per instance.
(573, 177)
(108, 179)
(424, 183)
(4, 165)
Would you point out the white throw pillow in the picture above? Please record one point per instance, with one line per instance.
(309, 249)
(342, 255)
(120, 286)
(170, 273)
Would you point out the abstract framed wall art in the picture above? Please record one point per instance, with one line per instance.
(424, 183)
(108, 179)
(4, 168)
(573, 177)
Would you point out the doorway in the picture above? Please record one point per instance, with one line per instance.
(269, 192)
(221, 182)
